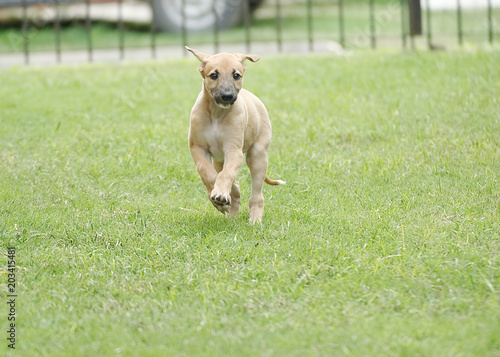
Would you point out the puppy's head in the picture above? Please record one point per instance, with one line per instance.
(223, 75)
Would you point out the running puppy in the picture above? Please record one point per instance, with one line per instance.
(226, 123)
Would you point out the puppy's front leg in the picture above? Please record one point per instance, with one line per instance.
(221, 194)
(204, 166)
(207, 173)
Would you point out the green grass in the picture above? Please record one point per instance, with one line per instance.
(387, 15)
(384, 242)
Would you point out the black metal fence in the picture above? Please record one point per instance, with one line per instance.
(45, 31)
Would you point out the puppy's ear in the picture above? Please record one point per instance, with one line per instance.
(242, 57)
(201, 56)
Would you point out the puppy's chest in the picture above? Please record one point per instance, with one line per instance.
(214, 139)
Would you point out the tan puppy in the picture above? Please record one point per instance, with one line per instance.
(227, 122)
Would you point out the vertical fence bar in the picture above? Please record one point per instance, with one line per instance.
(25, 35)
(247, 24)
(183, 26)
(459, 23)
(152, 32)
(279, 39)
(216, 27)
(403, 24)
(88, 31)
(428, 23)
(57, 32)
(341, 23)
(121, 30)
(415, 12)
(373, 39)
(490, 22)
(310, 39)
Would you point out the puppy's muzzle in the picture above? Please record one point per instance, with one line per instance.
(225, 99)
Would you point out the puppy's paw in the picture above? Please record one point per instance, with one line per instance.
(225, 210)
(255, 219)
(220, 199)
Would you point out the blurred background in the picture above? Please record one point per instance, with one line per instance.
(76, 31)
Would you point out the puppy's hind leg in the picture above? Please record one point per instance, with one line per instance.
(257, 163)
(235, 200)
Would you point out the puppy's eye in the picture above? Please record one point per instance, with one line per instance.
(236, 76)
(214, 76)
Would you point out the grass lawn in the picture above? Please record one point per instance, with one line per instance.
(384, 242)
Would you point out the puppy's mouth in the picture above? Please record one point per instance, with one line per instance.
(224, 105)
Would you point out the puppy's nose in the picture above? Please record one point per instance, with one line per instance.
(227, 97)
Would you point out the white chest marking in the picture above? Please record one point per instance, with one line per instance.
(213, 137)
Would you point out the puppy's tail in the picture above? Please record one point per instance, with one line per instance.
(273, 182)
